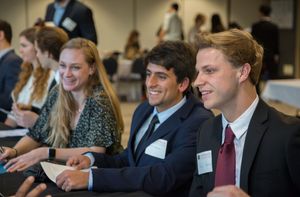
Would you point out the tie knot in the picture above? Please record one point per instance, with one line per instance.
(154, 120)
(229, 135)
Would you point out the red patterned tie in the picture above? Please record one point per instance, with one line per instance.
(225, 170)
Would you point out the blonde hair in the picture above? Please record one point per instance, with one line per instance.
(65, 107)
(40, 74)
(238, 46)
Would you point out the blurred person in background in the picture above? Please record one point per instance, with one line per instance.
(266, 33)
(172, 26)
(34, 83)
(198, 23)
(132, 47)
(74, 17)
(10, 67)
(216, 24)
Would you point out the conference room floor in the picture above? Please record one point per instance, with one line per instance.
(129, 107)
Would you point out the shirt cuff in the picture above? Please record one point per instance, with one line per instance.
(91, 157)
(90, 183)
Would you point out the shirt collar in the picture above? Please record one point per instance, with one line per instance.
(59, 6)
(241, 124)
(4, 51)
(162, 116)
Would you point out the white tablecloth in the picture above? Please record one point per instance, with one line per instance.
(286, 91)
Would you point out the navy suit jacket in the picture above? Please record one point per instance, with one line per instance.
(81, 15)
(9, 72)
(171, 176)
(270, 163)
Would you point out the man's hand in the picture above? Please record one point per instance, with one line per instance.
(72, 179)
(79, 162)
(23, 191)
(227, 191)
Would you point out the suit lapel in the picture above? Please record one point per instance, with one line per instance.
(50, 16)
(256, 130)
(215, 144)
(135, 128)
(171, 123)
(161, 131)
(67, 12)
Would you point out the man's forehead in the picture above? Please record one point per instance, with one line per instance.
(158, 68)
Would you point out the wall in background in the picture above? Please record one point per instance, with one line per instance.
(116, 18)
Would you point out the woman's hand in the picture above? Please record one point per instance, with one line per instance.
(24, 118)
(8, 153)
(26, 160)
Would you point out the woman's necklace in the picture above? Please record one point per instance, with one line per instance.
(81, 106)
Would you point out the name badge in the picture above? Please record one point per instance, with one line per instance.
(157, 149)
(69, 24)
(204, 162)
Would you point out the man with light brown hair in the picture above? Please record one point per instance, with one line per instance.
(250, 147)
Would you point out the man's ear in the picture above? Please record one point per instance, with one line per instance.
(2, 36)
(184, 84)
(244, 72)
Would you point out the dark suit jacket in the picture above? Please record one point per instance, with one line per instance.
(9, 73)
(267, 34)
(171, 176)
(270, 163)
(81, 15)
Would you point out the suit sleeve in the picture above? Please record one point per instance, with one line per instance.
(49, 13)
(107, 161)
(87, 26)
(12, 69)
(159, 176)
(293, 159)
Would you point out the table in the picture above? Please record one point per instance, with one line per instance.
(285, 90)
(9, 184)
(8, 141)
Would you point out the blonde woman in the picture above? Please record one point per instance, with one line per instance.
(81, 114)
(31, 90)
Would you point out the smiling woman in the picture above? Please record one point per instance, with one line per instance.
(84, 88)
(74, 72)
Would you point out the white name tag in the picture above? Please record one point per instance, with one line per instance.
(157, 149)
(69, 24)
(204, 162)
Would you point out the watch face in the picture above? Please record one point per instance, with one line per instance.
(52, 153)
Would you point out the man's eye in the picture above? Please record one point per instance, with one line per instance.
(162, 77)
(209, 71)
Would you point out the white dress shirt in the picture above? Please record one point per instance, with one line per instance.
(239, 128)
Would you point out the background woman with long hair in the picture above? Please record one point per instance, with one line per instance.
(31, 90)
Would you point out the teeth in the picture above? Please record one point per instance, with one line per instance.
(153, 92)
(203, 92)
